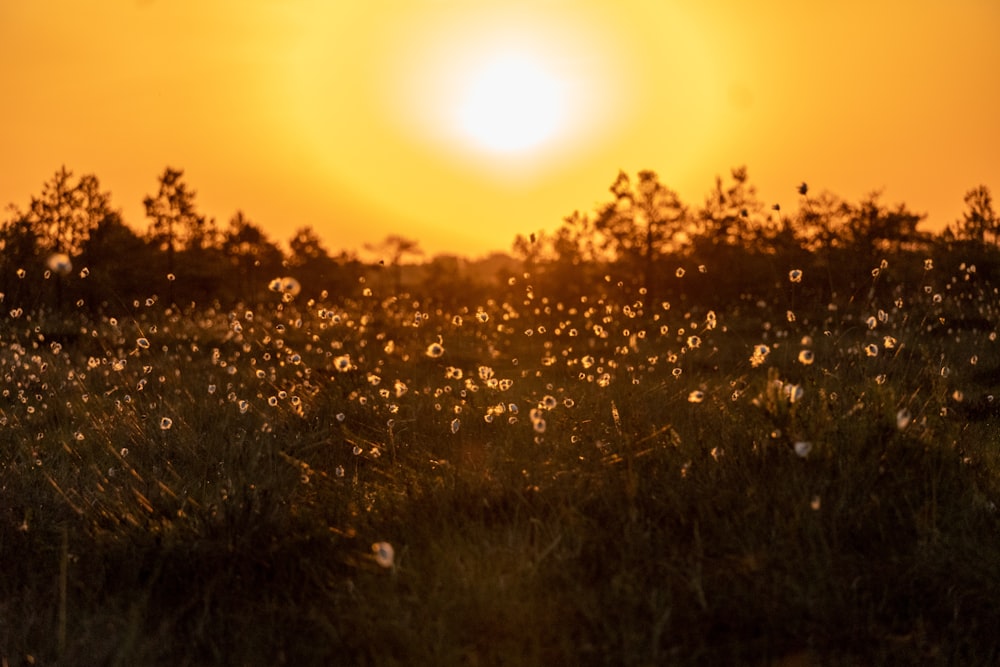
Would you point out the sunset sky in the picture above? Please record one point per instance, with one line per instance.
(463, 123)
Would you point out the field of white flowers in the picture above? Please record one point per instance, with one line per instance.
(618, 479)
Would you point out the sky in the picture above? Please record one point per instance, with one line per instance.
(462, 123)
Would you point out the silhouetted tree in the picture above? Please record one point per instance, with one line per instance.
(979, 221)
(253, 257)
(121, 265)
(874, 228)
(731, 215)
(316, 269)
(65, 213)
(823, 221)
(642, 224)
(19, 253)
(175, 226)
(396, 247)
(175, 223)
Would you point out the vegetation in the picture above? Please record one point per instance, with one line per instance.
(667, 437)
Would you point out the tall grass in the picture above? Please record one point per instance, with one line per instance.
(607, 481)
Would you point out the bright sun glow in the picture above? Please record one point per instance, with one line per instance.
(506, 94)
(512, 105)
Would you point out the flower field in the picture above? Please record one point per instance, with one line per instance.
(797, 476)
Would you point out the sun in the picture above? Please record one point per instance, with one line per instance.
(511, 104)
(501, 92)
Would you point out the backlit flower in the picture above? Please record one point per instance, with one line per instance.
(384, 554)
(59, 263)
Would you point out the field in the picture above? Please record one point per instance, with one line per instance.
(622, 479)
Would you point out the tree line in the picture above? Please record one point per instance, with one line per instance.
(646, 238)
(71, 248)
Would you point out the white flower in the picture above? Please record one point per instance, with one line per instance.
(760, 353)
(384, 554)
(59, 263)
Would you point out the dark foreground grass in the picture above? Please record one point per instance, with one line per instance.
(215, 499)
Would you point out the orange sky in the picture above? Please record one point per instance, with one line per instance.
(463, 123)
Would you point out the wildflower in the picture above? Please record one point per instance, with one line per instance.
(142, 343)
(455, 425)
(539, 425)
(384, 554)
(871, 350)
(794, 392)
(696, 396)
(928, 264)
(59, 264)
(680, 272)
(795, 275)
(166, 423)
(806, 357)
(343, 363)
(903, 418)
(290, 286)
(694, 342)
(549, 402)
(760, 353)
(802, 448)
(435, 350)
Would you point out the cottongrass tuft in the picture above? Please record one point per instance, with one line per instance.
(59, 263)
(384, 554)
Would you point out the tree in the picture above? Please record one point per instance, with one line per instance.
(822, 220)
(979, 221)
(874, 227)
(643, 223)
(253, 257)
(175, 223)
(66, 213)
(731, 216)
(19, 249)
(396, 247)
(120, 262)
(316, 269)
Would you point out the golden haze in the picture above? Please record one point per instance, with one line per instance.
(349, 116)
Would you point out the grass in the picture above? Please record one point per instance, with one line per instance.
(578, 483)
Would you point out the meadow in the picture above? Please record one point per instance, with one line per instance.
(800, 476)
